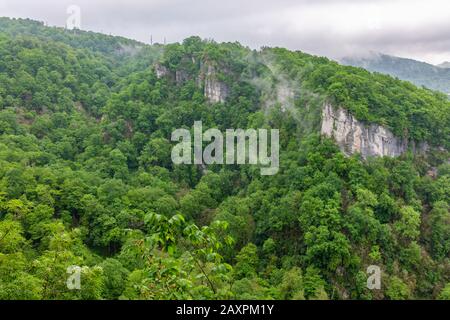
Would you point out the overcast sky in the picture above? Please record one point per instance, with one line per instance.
(334, 28)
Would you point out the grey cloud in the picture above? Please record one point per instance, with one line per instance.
(324, 27)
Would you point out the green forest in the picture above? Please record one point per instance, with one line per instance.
(86, 176)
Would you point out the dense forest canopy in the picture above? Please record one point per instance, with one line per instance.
(86, 176)
(97, 42)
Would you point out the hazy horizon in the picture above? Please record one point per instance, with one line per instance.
(336, 29)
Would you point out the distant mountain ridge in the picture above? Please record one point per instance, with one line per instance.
(417, 72)
(445, 64)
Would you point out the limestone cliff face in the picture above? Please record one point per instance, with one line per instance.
(354, 136)
(215, 91)
(161, 71)
(181, 77)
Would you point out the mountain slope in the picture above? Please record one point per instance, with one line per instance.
(445, 64)
(419, 73)
(86, 176)
(110, 45)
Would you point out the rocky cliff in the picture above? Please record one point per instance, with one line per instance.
(161, 71)
(215, 91)
(354, 136)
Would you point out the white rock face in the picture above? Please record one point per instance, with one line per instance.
(161, 71)
(354, 136)
(215, 90)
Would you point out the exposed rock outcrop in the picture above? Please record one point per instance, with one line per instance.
(161, 71)
(181, 77)
(354, 136)
(215, 91)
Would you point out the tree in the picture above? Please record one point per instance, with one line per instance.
(314, 285)
(397, 289)
(408, 225)
(247, 262)
(327, 249)
(440, 230)
(291, 287)
(11, 236)
(115, 276)
(445, 293)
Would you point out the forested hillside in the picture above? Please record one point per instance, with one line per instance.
(86, 176)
